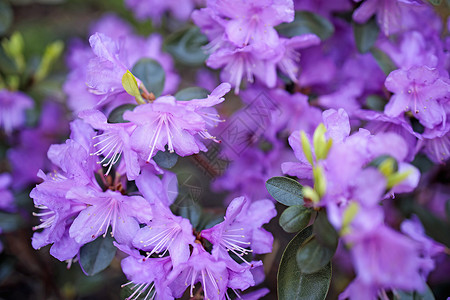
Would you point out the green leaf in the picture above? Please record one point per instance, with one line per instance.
(152, 75)
(295, 218)
(307, 22)
(383, 60)
(435, 2)
(434, 227)
(292, 282)
(165, 159)
(324, 232)
(426, 295)
(191, 93)
(375, 102)
(285, 190)
(186, 46)
(447, 209)
(365, 35)
(312, 256)
(51, 54)
(378, 161)
(116, 116)
(97, 255)
(6, 16)
(130, 84)
(191, 212)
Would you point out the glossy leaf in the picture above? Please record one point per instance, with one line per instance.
(186, 46)
(285, 190)
(383, 60)
(292, 282)
(324, 232)
(365, 35)
(116, 116)
(295, 218)
(6, 16)
(152, 75)
(312, 256)
(307, 22)
(191, 93)
(165, 159)
(97, 255)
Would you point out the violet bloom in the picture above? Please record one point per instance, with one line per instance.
(7, 198)
(201, 267)
(56, 215)
(113, 142)
(253, 22)
(420, 90)
(241, 229)
(436, 143)
(166, 232)
(12, 109)
(155, 189)
(155, 9)
(388, 13)
(30, 154)
(104, 209)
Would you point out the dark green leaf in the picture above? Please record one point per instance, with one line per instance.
(307, 22)
(116, 116)
(10, 222)
(426, 295)
(97, 255)
(376, 162)
(165, 159)
(292, 283)
(295, 218)
(312, 256)
(6, 16)
(186, 46)
(375, 102)
(434, 227)
(447, 209)
(191, 212)
(191, 93)
(325, 233)
(383, 60)
(285, 190)
(435, 2)
(152, 75)
(365, 35)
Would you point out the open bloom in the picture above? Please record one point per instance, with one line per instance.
(12, 109)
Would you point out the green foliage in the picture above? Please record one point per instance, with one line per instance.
(295, 284)
(375, 102)
(51, 54)
(130, 85)
(166, 159)
(191, 93)
(152, 75)
(6, 16)
(312, 256)
(426, 295)
(116, 116)
(324, 232)
(285, 190)
(97, 255)
(383, 60)
(365, 35)
(186, 46)
(295, 218)
(307, 22)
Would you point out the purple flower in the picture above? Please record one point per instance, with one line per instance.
(57, 213)
(253, 22)
(113, 142)
(166, 232)
(104, 209)
(420, 90)
(155, 189)
(388, 13)
(436, 143)
(201, 267)
(12, 109)
(154, 9)
(7, 198)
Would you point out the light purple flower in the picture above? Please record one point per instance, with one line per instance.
(420, 90)
(154, 9)
(201, 267)
(155, 189)
(104, 209)
(12, 109)
(166, 232)
(6, 196)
